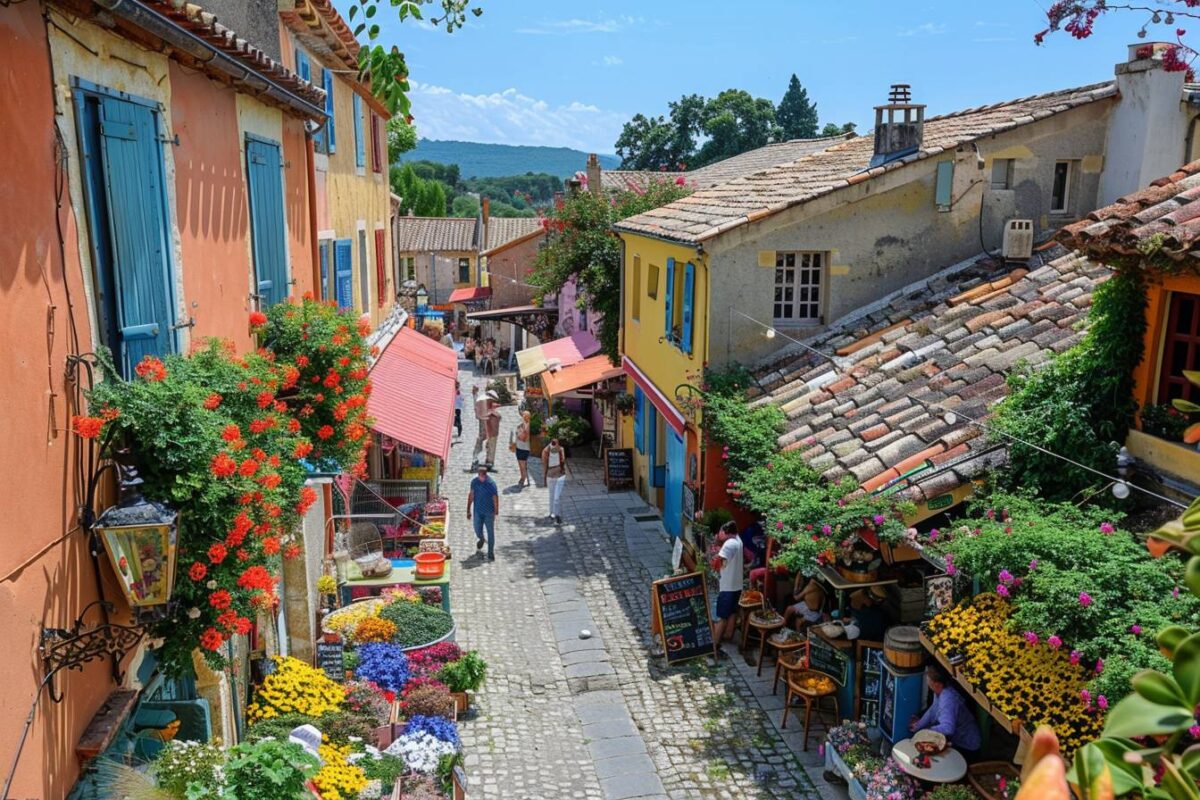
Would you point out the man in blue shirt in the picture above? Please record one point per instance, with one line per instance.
(486, 498)
(949, 715)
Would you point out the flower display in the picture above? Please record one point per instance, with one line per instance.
(421, 751)
(438, 727)
(374, 629)
(345, 620)
(416, 623)
(295, 687)
(383, 664)
(851, 733)
(430, 699)
(184, 762)
(338, 779)
(428, 660)
(368, 699)
(889, 782)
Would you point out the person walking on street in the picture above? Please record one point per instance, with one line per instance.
(554, 468)
(729, 563)
(485, 497)
(458, 406)
(522, 448)
(493, 426)
(481, 416)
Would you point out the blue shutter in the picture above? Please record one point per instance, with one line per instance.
(652, 444)
(343, 269)
(330, 127)
(264, 176)
(689, 301)
(326, 256)
(669, 297)
(360, 146)
(945, 180)
(137, 229)
(303, 67)
(639, 425)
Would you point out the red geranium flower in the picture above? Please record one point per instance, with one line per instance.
(293, 425)
(325, 431)
(302, 449)
(220, 599)
(228, 619)
(212, 401)
(332, 379)
(259, 454)
(152, 369)
(273, 461)
(242, 555)
(261, 424)
(87, 427)
(291, 551)
(231, 432)
(223, 466)
(256, 577)
(248, 467)
(235, 539)
(270, 480)
(198, 571)
(308, 496)
(242, 626)
(211, 639)
(257, 319)
(264, 399)
(271, 545)
(217, 553)
(237, 444)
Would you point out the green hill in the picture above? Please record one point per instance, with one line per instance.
(478, 160)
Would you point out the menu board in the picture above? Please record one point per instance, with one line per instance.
(887, 702)
(680, 608)
(329, 658)
(824, 657)
(871, 659)
(618, 468)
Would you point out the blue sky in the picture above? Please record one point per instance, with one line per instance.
(570, 73)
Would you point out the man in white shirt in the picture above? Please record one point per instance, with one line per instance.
(482, 412)
(730, 564)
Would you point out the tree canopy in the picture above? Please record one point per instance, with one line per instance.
(796, 115)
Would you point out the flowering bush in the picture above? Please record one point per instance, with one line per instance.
(428, 660)
(295, 687)
(850, 733)
(338, 779)
(889, 782)
(428, 700)
(184, 762)
(344, 621)
(374, 629)
(219, 437)
(438, 727)
(383, 664)
(367, 698)
(421, 751)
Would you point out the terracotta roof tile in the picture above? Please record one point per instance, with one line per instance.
(893, 430)
(425, 234)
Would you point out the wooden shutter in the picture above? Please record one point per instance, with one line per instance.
(303, 66)
(137, 228)
(689, 299)
(264, 176)
(380, 272)
(330, 126)
(639, 424)
(376, 150)
(343, 272)
(945, 182)
(325, 250)
(360, 144)
(669, 298)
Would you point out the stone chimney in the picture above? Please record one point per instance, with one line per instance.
(1148, 127)
(485, 211)
(898, 125)
(593, 174)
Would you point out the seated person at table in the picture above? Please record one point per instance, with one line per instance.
(810, 598)
(866, 610)
(949, 714)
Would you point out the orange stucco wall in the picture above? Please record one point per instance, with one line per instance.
(1145, 376)
(295, 205)
(45, 571)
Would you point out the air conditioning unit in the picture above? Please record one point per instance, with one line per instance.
(1018, 240)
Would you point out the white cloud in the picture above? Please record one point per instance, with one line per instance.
(565, 27)
(924, 29)
(609, 61)
(509, 117)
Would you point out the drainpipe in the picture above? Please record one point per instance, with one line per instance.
(310, 163)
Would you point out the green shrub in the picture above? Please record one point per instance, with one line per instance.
(464, 675)
(417, 623)
(387, 770)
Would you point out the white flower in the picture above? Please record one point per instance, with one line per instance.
(193, 613)
(421, 751)
(211, 584)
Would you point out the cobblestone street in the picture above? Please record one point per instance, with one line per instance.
(598, 717)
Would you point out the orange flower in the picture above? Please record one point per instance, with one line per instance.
(152, 369)
(257, 319)
(308, 496)
(211, 639)
(198, 571)
(109, 413)
(248, 467)
(302, 449)
(301, 361)
(231, 432)
(293, 425)
(212, 401)
(271, 545)
(265, 399)
(220, 599)
(217, 553)
(223, 466)
(325, 431)
(291, 551)
(87, 427)
(270, 480)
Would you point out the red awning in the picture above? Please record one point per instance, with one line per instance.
(670, 413)
(413, 396)
(470, 293)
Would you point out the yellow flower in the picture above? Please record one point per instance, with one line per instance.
(295, 686)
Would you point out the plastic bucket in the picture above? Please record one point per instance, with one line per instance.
(430, 565)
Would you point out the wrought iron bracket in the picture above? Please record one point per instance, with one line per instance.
(70, 649)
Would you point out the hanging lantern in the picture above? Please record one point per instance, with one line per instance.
(140, 537)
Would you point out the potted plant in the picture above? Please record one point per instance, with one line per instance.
(463, 677)
(624, 403)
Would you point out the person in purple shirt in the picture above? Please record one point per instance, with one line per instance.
(949, 715)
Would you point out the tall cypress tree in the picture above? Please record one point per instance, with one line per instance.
(796, 115)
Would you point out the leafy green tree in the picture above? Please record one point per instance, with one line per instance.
(833, 129)
(581, 245)
(735, 122)
(648, 143)
(465, 205)
(431, 200)
(797, 115)
(401, 138)
(424, 198)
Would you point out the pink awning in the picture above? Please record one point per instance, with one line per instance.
(585, 373)
(557, 353)
(470, 293)
(412, 399)
(670, 413)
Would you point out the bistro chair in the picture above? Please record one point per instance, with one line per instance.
(788, 661)
(810, 686)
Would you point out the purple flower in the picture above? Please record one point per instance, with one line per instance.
(933, 535)
(1033, 565)
(1054, 641)
(1085, 696)
(779, 525)
(1005, 576)
(438, 727)
(951, 569)
(1135, 629)
(1175, 593)
(1102, 701)
(1031, 637)
(1075, 656)
(1194, 731)
(1099, 665)
(1106, 528)
(826, 529)
(1002, 590)
(880, 519)
(841, 502)
(1085, 599)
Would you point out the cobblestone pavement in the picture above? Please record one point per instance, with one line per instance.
(598, 717)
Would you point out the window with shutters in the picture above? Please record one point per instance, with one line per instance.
(264, 177)
(325, 251)
(1002, 173)
(325, 139)
(464, 270)
(1181, 349)
(360, 144)
(364, 273)
(128, 222)
(410, 268)
(343, 273)
(380, 272)
(677, 302)
(798, 279)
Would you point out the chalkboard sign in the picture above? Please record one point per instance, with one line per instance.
(689, 503)
(680, 608)
(618, 468)
(329, 658)
(887, 703)
(824, 657)
(870, 657)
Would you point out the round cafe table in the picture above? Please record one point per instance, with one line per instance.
(947, 766)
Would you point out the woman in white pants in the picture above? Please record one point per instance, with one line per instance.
(554, 471)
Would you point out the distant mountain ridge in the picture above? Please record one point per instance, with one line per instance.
(479, 160)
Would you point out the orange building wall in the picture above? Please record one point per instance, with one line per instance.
(1145, 376)
(513, 264)
(45, 570)
(295, 207)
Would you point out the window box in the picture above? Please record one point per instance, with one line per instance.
(1178, 459)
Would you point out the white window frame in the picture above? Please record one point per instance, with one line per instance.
(803, 263)
(1066, 195)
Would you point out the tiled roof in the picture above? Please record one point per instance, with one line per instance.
(721, 171)
(949, 340)
(322, 30)
(205, 26)
(1166, 214)
(423, 234)
(710, 212)
(503, 230)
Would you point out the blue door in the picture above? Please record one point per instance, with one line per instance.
(264, 175)
(673, 491)
(129, 223)
(343, 273)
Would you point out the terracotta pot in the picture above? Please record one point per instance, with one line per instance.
(462, 701)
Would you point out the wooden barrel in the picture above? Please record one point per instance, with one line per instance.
(902, 647)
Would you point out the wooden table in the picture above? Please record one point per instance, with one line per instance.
(947, 766)
(764, 629)
(841, 585)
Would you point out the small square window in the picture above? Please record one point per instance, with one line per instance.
(652, 282)
(1060, 189)
(1002, 173)
(464, 270)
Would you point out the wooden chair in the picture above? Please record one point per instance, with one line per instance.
(790, 661)
(810, 696)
